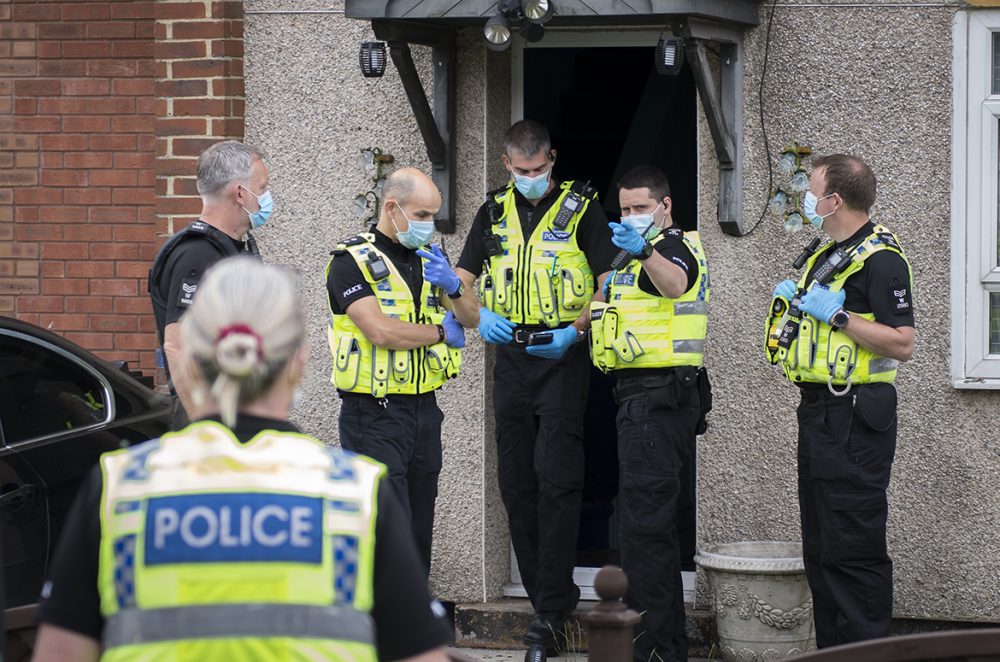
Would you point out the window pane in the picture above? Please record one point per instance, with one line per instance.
(42, 393)
(994, 323)
(996, 63)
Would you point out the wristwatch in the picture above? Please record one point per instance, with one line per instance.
(840, 319)
(647, 250)
(457, 294)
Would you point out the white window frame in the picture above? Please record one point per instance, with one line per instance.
(974, 199)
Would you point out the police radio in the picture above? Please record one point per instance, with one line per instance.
(571, 204)
(376, 266)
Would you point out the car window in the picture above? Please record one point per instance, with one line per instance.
(44, 391)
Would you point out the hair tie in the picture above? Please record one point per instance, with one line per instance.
(242, 329)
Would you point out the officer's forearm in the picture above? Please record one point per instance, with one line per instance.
(180, 374)
(894, 343)
(396, 334)
(466, 307)
(668, 278)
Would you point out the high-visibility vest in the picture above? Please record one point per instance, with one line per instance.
(361, 367)
(216, 550)
(818, 353)
(545, 280)
(635, 329)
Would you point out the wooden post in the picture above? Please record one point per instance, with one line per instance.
(610, 623)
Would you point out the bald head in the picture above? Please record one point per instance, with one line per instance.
(407, 194)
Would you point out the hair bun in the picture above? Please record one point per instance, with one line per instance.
(238, 350)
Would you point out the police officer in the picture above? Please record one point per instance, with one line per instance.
(394, 343)
(233, 183)
(839, 334)
(650, 333)
(239, 537)
(537, 247)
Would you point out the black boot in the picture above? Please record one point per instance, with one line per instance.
(536, 653)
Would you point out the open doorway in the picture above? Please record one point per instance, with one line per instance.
(607, 110)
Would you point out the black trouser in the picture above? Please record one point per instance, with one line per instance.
(404, 433)
(657, 416)
(539, 405)
(846, 448)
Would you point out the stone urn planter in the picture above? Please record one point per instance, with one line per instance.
(763, 607)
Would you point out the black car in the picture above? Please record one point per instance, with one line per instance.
(61, 407)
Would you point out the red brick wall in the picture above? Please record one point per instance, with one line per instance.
(86, 145)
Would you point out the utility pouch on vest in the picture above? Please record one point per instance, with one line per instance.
(502, 291)
(545, 293)
(875, 405)
(347, 363)
(573, 294)
(597, 309)
(805, 349)
(380, 372)
(776, 321)
(401, 365)
(454, 362)
(627, 347)
(436, 357)
(609, 332)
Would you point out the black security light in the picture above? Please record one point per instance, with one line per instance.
(669, 56)
(372, 57)
(525, 16)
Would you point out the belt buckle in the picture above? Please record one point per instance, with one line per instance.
(521, 336)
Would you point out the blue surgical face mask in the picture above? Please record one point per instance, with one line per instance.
(532, 187)
(266, 204)
(643, 223)
(809, 203)
(417, 234)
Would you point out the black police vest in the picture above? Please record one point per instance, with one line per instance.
(199, 230)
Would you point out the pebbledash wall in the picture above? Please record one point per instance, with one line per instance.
(872, 78)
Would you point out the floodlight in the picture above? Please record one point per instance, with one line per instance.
(538, 11)
(497, 33)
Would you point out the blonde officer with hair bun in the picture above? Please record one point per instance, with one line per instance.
(239, 537)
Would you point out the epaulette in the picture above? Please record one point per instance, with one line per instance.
(674, 231)
(889, 240)
(353, 241)
(584, 190)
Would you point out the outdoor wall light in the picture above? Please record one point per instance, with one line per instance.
(372, 57)
(538, 11)
(526, 16)
(497, 33)
(669, 56)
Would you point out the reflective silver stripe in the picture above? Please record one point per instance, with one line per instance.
(689, 347)
(137, 626)
(882, 364)
(691, 308)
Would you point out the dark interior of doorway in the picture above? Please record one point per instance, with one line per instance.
(607, 110)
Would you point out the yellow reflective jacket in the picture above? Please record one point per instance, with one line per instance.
(634, 329)
(814, 352)
(216, 550)
(546, 280)
(361, 367)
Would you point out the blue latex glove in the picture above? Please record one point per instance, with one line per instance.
(438, 272)
(606, 287)
(821, 303)
(494, 328)
(562, 340)
(786, 290)
(454, 333)
(626, 238)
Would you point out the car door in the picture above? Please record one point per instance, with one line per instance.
(52, 405)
